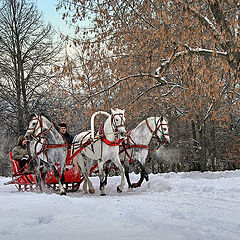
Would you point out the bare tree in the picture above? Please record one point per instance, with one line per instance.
(27, 51)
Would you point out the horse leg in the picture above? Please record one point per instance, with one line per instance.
(101, 178)
(85, 185)
(81, 162)
(143, 174)
(39, 181)
(122, 173)
(57, 175)
(44, 173)
(90, 186)
(107, 170)
(38, 175)
(127, 176)
(62, 180)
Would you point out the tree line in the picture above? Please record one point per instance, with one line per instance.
(174, 58)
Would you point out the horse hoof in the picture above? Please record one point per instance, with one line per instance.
(146, 177)
(103, 194)
(62, 194)
(91, 191)
(134, 185)
(119, 190)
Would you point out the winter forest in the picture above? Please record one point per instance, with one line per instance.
(175, 58)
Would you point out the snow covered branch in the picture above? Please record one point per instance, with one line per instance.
(204, 51)
(179, 54)
(205, 20)
(237, 21)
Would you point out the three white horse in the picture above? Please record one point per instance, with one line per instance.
(47, 146)
(103, 147)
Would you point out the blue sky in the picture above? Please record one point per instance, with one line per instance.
(48, 9)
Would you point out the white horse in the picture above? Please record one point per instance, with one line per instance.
(103, 147)
(135, 148)
(48, 147)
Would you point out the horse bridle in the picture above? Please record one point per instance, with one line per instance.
(159, 127)
(35, 128)
(115, 126)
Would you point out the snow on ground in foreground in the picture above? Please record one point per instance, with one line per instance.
(171, 206)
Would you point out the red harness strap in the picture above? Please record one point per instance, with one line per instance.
(50, 146)
(117, 142)
(127, 145)
(109, 143)
(82, 146)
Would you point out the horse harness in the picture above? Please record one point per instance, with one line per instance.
(102, 137)
(159, 127)
(40, 136)
(126, 145)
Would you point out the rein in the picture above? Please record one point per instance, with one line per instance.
(45, 147)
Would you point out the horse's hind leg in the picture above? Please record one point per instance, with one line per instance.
(39, 181)
(81, 162)
(143, 174)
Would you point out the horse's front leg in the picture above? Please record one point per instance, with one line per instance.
(107, 170)
(43, 174)
(101, 178)
(127, 176)
(38, 175)
(81, 161)
(57, 175)
(39, 181)
(122, 173)
(143, 174)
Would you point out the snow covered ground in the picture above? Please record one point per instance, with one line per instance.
(189, 206)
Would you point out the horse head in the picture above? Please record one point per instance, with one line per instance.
(118, 122)
(165, 131)
(161, 131)
(37, 126)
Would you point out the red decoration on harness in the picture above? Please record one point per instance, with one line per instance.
(109, 143)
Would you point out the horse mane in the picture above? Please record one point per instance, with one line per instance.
(31, 117)
(47, 117)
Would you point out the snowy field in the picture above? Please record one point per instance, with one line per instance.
(182, 206)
